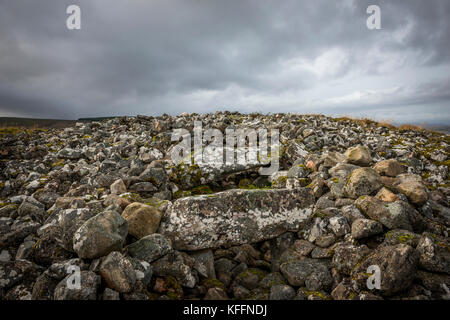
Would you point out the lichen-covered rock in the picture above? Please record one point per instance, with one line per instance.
(150, 248)
(308, 272)
(363, 228)
(434, 253)
(70, 220)
(398, 236)
(362, 181)
(281, 292)
(118, 272)
(234, 217)
(100, 235)
(391, 215)
(89, 284)
(347, 256)
(178, 265)
(142, 219)
(398, 266)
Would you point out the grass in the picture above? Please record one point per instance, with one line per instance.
(365, 122)
(11, 130)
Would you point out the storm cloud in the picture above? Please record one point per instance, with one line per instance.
(171, 56)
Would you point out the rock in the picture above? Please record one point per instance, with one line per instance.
(70, 220)
(100, 235)
(216, 294)
(281, 292)
(118, 273)
(392, 215)
(331, 159)
(359, 155)
(298, 171)
(308, 272)
(116, 200)
(206, 259)
(413, 189)
(390, 168)
(17, 232)
(89, 284)
(142, 219)
(347, 256)
(385, 195)
(398, 266)
(178, 265)
(303, 247)
(234, 217)
(272, 279)
(29, 209)
(363, 228)
(69, 153)
(351, 213)
(362, 181)
(434, 253)
(398, 236)
(339, 225)
(118, 187)
(344, 291)
(16, 272)
(109, 294)
(437, 283)
(150, 248)
(5, 256)
(249, 278)
(277, 247)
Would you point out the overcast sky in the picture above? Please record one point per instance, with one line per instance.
(162, 56)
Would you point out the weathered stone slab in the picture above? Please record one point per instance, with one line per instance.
(235, 217)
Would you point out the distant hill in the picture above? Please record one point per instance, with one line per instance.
(35, 123)
(44, 123)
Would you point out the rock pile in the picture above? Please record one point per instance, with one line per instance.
(100, 211)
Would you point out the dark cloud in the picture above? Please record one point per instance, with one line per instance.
(151, 57)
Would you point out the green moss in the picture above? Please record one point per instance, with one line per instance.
(280, 180)
(316, 294)
(244, 183)
(59, 163)
(213, 283)
(335, 180)
(132, 197)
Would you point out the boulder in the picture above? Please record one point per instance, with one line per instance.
(100, 235)
(142, 219)
(235, 217)
(359, 155)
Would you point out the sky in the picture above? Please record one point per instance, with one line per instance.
(173, 56)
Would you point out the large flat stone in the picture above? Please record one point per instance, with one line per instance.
(235, 217)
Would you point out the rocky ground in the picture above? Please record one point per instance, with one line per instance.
(106, 198)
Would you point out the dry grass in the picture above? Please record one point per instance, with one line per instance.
(381, 123)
